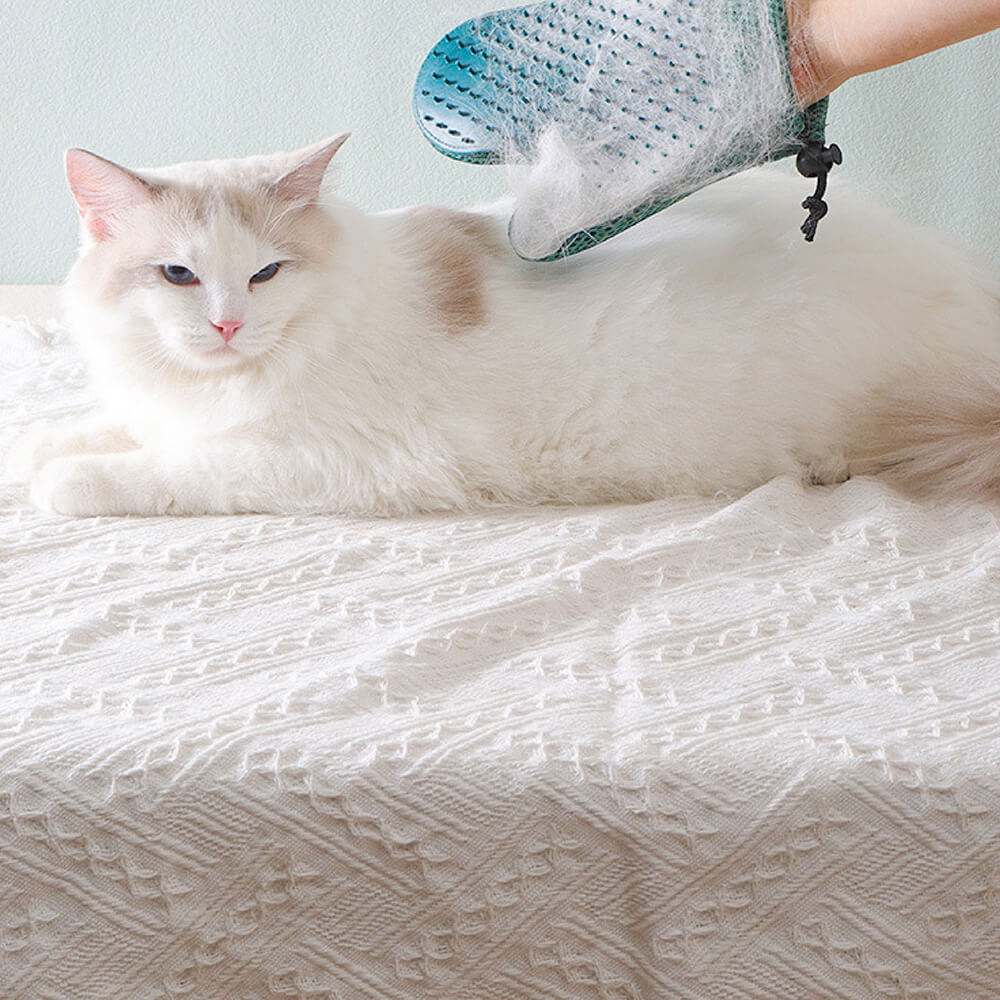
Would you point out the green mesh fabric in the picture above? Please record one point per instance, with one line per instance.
(812, 126)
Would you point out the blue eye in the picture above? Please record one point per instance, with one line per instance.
(265, 273)
(177, 274)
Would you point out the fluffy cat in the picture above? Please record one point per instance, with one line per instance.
(258, 346)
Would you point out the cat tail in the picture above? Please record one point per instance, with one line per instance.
(937, 433)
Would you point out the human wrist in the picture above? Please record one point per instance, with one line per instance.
(815, 61)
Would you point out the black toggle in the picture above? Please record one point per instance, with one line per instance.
(816, 160)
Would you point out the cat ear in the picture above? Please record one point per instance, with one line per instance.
(103, 190)
(302, 182)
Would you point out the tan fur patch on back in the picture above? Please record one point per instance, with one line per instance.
(451, 249)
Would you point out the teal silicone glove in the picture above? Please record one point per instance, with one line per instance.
(617, 110)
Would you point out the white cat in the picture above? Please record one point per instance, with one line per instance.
(259, 348)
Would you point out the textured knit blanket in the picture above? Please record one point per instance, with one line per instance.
(729, 748)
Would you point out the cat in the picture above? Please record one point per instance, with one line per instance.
(260, 345)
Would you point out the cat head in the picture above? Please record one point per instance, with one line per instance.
(205, 264)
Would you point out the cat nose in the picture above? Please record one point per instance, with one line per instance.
(227, 328)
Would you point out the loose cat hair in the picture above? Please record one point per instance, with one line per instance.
(258, 344)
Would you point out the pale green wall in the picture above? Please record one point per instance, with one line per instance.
(155, 82)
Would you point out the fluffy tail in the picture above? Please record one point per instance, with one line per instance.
(936, 434)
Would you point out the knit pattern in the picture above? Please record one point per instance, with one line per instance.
(729, 748)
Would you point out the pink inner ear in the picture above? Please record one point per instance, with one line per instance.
(302, 182)
(102, 190)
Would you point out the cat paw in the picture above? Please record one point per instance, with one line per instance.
(91, 486)
(74, 487)
(30, 453)
(42, 443)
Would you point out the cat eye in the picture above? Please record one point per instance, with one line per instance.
(265, 273)
(177, 274)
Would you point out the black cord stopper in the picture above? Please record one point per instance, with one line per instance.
(816, 160)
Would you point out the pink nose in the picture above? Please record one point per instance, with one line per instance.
(228, 328)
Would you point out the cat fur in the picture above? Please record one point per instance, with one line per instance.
(409, 361)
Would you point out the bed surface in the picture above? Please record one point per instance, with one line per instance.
(727, 748)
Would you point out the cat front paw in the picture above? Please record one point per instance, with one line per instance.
(94, 485)
(42, 443)
(29, 454)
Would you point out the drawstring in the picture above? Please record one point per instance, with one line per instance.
(816, 160)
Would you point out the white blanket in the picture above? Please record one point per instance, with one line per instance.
(730, 748)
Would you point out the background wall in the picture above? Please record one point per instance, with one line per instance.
(152, 83)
